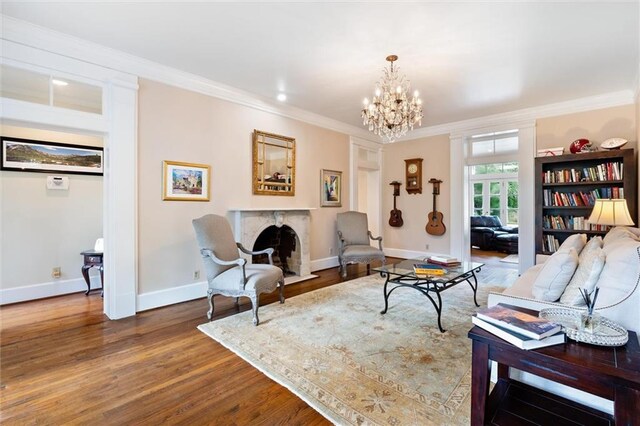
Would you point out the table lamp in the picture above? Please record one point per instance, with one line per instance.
(611, 211)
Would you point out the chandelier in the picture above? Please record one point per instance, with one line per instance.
(391, 113)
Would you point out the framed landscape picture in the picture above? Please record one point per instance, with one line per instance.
(26, 155)
(330, 188)
(185, 181)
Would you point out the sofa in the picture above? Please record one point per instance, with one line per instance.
(488, 233)
(614, 269)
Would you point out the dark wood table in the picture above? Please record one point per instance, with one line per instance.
(92, 259)
(611, 373)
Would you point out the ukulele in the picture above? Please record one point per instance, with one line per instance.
(395, 219)
(435, 226)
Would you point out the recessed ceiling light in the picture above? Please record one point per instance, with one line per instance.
(59, 82)
(282, 97)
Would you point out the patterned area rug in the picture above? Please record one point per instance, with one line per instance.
(334, 349)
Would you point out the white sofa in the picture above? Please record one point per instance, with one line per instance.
(618, 300)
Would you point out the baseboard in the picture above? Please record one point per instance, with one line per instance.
(49, 289)
(326, 263)
(170, 296)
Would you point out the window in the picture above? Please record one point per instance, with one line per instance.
(494, 143)
(62, 92)
(494, 168)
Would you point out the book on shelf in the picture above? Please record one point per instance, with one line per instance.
(519, 322)
(579, 198)
(428, 269)
(599, 173)
(521, 341)
(571, 223)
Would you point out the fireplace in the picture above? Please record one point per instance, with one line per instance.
(286, 253)
(287, 230)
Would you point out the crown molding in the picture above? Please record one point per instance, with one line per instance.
(38, 37)
(527, 115)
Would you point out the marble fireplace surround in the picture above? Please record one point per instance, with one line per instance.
(249, 223)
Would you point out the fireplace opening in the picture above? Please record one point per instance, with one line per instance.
(286, 254)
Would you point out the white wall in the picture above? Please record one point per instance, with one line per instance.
(43, 229)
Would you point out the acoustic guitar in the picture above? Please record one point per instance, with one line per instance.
(435, 225)
(395, 219)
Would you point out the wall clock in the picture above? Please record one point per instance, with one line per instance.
(413, 172)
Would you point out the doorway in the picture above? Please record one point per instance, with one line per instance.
(365, 185)
(494, 191)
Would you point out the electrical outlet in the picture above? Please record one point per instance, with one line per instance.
(196, 274)
(56, 272)
(426, 246)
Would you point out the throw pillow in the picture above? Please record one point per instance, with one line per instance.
(577, 241)
(586, 276)
(620, 274)
(619, 232)
(555, 274)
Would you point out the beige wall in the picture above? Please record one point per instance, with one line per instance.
(597, 126)
(415, 208)
(179, 125)
(42, 228)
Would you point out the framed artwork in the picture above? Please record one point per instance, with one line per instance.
(330, 188)
(185, 181)
(26, 155)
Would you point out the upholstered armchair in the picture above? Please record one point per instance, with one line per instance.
(227, 273)
(354, 241)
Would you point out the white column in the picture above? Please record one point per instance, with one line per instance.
(526, 198)
(459, 204)
(120, 200)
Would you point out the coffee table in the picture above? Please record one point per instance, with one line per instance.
(402, 275)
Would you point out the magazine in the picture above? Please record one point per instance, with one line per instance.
(520, 322)
(523, 342)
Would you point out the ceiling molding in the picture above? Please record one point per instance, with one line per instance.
(42, 38)
(590, 103)
(35, 36)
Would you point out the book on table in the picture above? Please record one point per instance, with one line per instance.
(518, 340)
(428, 269)
(443, 260)
(519, 322)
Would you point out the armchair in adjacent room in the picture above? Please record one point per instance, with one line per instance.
(354, 241)
(227, 273)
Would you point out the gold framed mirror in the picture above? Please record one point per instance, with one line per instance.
(274, 164)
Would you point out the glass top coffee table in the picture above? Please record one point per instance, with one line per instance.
(402, 275)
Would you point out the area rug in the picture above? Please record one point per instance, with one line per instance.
(355, 366)
(512, 258)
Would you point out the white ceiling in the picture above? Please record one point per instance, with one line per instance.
(466, 59)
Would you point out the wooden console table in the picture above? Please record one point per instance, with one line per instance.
(611, 373)
(92, 259)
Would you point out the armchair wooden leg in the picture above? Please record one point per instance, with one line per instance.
(210, 298)
(281, 285)
(368, 268)
(255, 300)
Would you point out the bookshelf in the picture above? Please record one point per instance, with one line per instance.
(567, 185)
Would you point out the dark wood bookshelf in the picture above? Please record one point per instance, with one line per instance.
(580, 161)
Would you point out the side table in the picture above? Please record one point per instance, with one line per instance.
(608, 372)
(92, 259)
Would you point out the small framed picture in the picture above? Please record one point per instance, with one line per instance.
(26, 155)
(330, 188)
(185, 181)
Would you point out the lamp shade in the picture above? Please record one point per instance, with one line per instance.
(611, 212)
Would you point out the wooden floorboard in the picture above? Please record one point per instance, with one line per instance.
(63, 361)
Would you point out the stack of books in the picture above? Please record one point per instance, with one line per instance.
(425, 269)
(519, 328)
(443, 260)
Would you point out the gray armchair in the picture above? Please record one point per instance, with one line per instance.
(227, 273)
(353, 240)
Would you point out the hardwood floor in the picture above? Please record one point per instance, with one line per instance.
(63, 361)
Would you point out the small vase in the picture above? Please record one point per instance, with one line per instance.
(589, 322)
